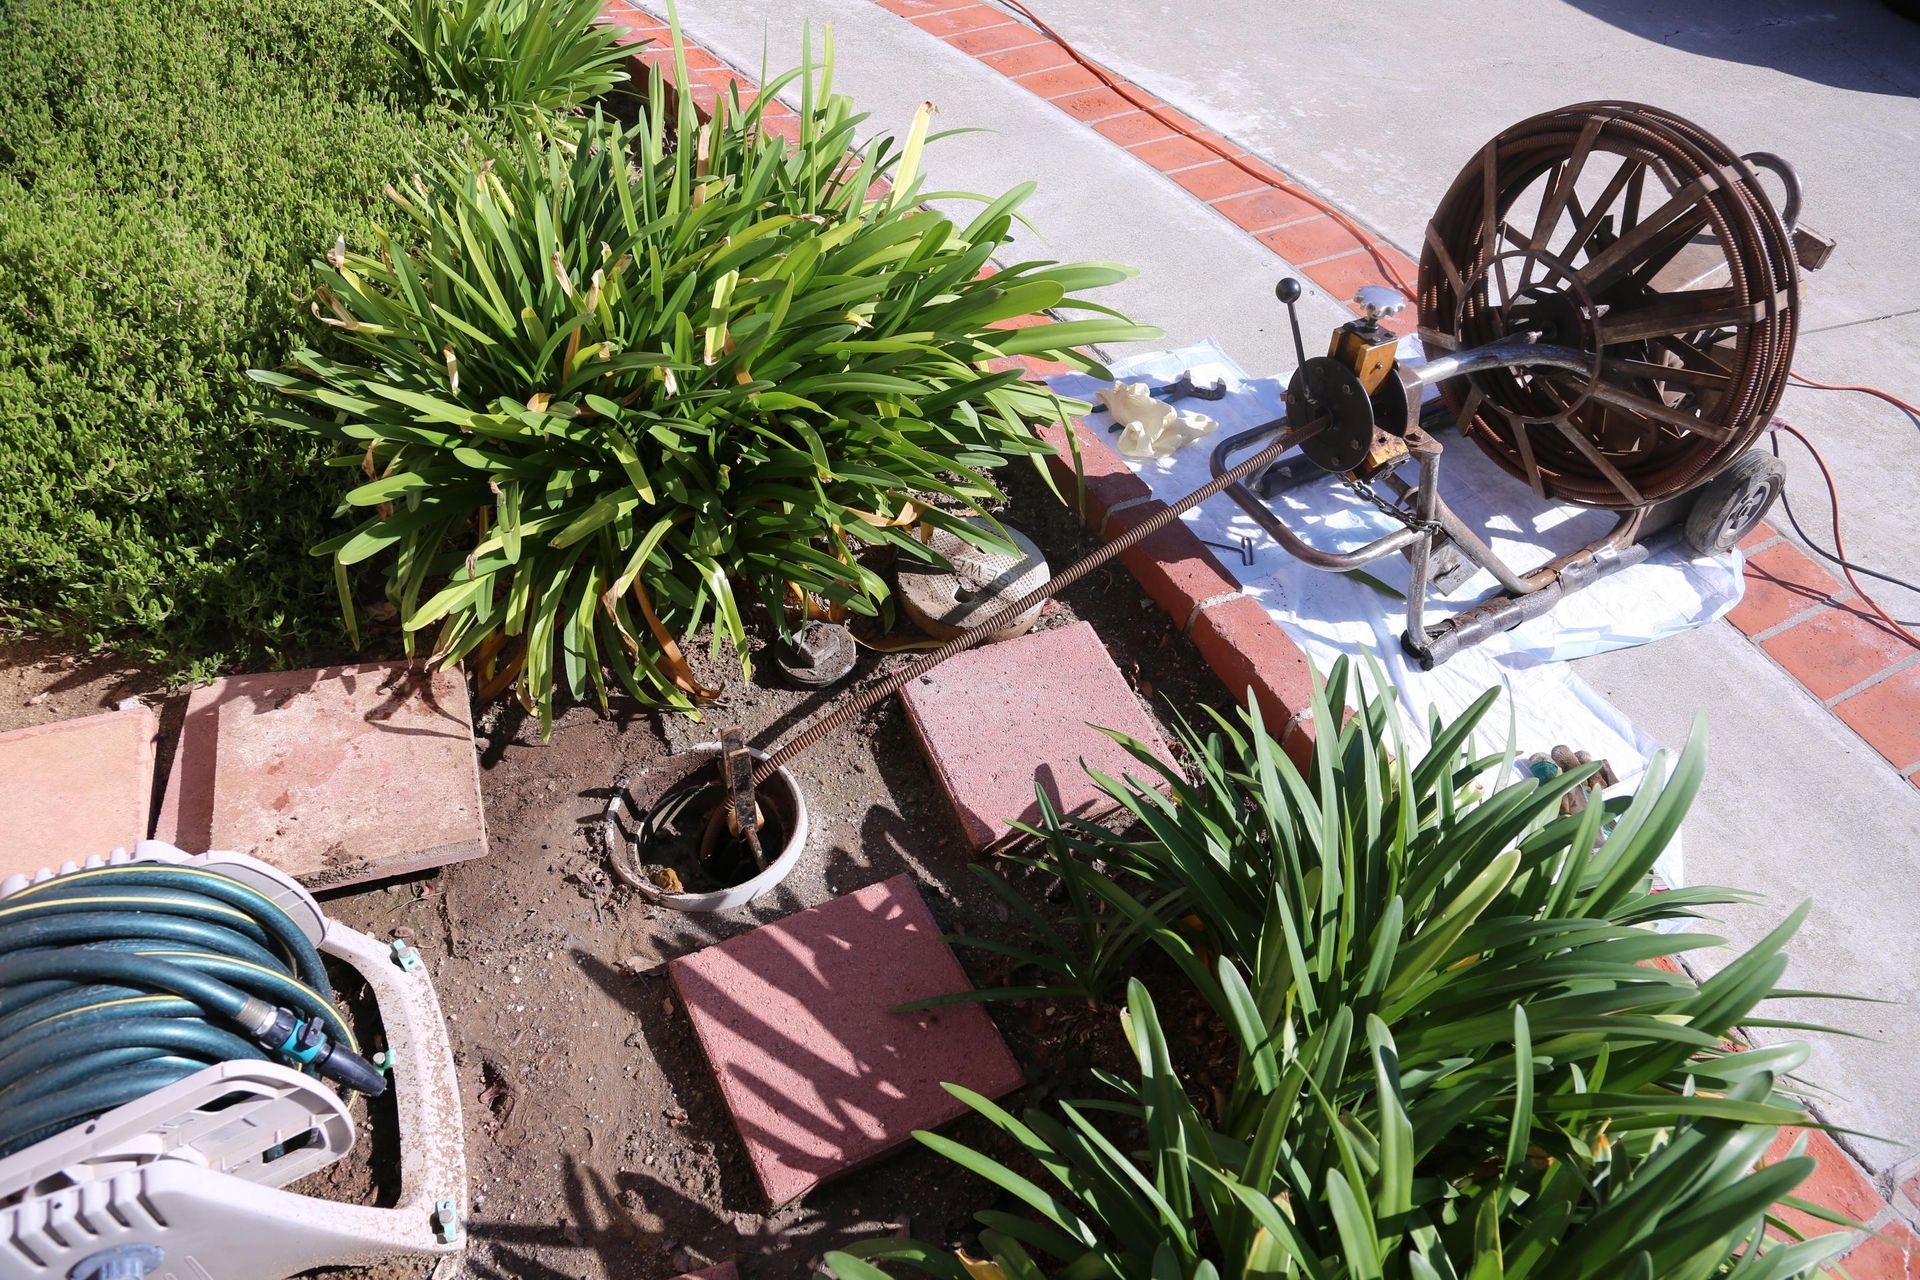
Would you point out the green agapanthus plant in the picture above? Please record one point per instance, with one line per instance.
(1454, 1060)
(550, 54)
(604, 390)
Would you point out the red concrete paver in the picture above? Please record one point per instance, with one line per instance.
(664, 56)
(1757, 537)
(1836, 649)
(972, 17)
(1034, 57)
(1344, 275)
(981, 40)
(1837, 1184)
(1060, 81)
(336, 776)
(1207, 137)
(1252, 656)
(1036, 369)
(1891, 1253)
(1216, 181)
(724, 1271)
(1093, 105)
(74, 789)
(1780, 582)
(922, 8)
(1265, 209)
(1174, 566)
(1020, 322)
(1310, 240)
(796, 1020)
(1888, 717)
(1133, 128)
(1169, 154)
(1002, 718)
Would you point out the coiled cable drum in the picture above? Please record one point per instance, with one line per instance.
(1627, 232)
(121, 980)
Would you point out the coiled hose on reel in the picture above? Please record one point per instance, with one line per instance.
(121, 980)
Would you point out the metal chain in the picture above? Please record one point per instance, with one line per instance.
(1365, 489)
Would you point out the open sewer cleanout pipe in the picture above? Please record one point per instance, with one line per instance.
(702, 866)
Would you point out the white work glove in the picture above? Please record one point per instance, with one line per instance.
(1150, 428)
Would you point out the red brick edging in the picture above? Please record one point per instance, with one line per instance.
(1292, 228)
(1847, 659)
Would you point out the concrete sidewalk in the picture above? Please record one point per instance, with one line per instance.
(1796, 805)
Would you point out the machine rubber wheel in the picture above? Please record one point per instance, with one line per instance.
(1733, 502)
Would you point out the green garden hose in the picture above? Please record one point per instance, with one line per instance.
(118, 981)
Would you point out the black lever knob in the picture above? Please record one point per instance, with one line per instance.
(1288, 291)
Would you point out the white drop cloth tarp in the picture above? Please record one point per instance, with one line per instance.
(1332, 614)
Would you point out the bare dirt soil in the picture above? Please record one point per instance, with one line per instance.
(597, 1141)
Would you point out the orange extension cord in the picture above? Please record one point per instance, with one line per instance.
(1833, 494)
(1269, 176)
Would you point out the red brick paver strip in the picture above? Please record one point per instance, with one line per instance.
(1216, 180)
(1260, 662)
(1172, 153)
(819, 1073)
(336, 776)
(1104, 481)
(1887, 715)
(1781, 581)
(1837, 1184)
(1836, 649)
(725, 1271)
(1134, 127)
(1059, 82)
(1891, 1253)
(1267, 209)
(1824, 636)
(1028, 59)
(973, 17)
(75, 789)
(1002, 718)
(1173, 565)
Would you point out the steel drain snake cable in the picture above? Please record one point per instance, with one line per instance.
(118, 981)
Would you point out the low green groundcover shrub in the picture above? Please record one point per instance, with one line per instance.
(166, 172)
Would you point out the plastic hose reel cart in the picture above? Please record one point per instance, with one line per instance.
(190, 1179)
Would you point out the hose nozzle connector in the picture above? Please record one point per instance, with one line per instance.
(306, 1042)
